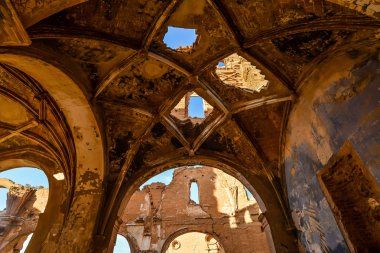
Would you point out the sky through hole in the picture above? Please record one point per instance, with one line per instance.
(179, 37)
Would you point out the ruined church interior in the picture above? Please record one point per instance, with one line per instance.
(189, 126)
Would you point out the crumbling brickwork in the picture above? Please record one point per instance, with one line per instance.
(159, 213)
(88, 87)
(20, 218)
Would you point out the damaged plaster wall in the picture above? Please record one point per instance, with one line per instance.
(159, 213)
(339, 103)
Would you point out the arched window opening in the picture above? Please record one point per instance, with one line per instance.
(26, 243)
(194, 192)
(196, 241)
(24, 195)
(121, 245)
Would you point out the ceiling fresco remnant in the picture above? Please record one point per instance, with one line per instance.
(267, 91)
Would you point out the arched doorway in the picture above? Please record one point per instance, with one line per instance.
(193, 242)
(165, 205)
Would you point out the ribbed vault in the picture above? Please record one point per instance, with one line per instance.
(129, 82)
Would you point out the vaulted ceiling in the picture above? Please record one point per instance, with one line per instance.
(135, 79)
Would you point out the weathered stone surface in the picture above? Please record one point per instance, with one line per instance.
(91, 98)
(336, 110)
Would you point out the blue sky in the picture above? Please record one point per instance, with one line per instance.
(196, 107)
(164, 177)
(176, 37)
(24, 175)
(122, 245)
(249, 194)
(194, 192)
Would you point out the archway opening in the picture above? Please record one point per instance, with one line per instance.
(194, 242)
(24, 196)
(193, 199)
(121, 245)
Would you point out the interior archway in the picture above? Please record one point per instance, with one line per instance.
(181, 187)
(74, 131)
(184, 242)
(281, 94)
(26, 200)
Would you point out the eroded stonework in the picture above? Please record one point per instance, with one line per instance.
(20, 217)
(91, 97)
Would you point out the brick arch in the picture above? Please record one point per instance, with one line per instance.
(70, 91)
(180, 232)
(265, 196)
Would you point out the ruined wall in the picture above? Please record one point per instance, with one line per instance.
(158, 213)
(20, 217)
(338, 107)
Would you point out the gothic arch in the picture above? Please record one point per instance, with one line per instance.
(264, 195)
(58, 196)
(85, 175)
(180, 232)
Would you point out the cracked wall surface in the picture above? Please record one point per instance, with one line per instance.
(336, 111)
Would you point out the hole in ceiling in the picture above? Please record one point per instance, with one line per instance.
(192, 107)
(180, 39)
(237, 71)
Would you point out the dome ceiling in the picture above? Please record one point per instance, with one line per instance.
(135, 80)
